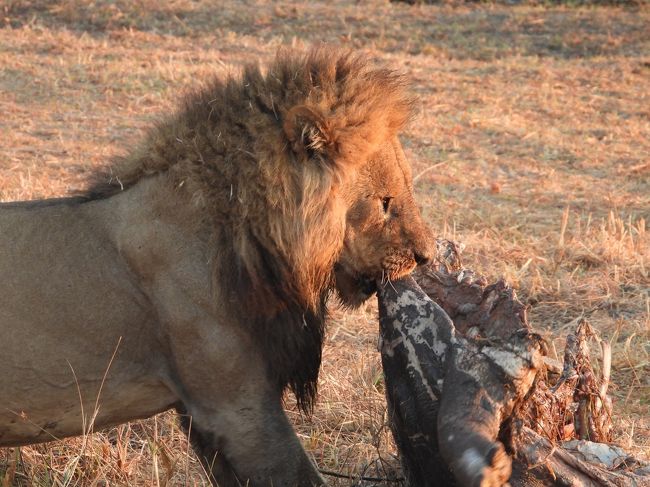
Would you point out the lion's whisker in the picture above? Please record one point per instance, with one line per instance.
(391, 285)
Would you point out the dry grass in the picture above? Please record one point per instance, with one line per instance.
(539, 120)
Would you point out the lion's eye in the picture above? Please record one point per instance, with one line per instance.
(385, 202)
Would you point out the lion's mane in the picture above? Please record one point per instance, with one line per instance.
(260, 157)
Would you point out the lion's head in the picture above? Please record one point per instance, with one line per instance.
(350, 131)
(385, 237)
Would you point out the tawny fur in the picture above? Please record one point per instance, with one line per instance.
(229, 147)
(260, 157)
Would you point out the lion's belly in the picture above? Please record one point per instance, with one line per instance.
(67, 305)
(51, 417)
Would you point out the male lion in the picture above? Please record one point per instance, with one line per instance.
(205, 264)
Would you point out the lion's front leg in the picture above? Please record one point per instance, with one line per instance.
(204, 444)
(248, 443)
(233, 411)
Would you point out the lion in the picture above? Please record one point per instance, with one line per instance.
(196, 275)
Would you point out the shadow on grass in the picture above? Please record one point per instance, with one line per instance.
(481, 32)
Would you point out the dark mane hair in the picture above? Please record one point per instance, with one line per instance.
(260, 156)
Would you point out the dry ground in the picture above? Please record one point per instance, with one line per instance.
(532, 147)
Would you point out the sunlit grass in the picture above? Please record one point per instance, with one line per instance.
(532, 147)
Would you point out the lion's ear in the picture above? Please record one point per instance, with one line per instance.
(309, 133)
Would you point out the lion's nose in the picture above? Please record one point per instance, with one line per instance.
(421, 259)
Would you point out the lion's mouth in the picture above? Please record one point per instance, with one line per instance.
(355, 287)
(397, 265)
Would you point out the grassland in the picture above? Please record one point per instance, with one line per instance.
(532, 146)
